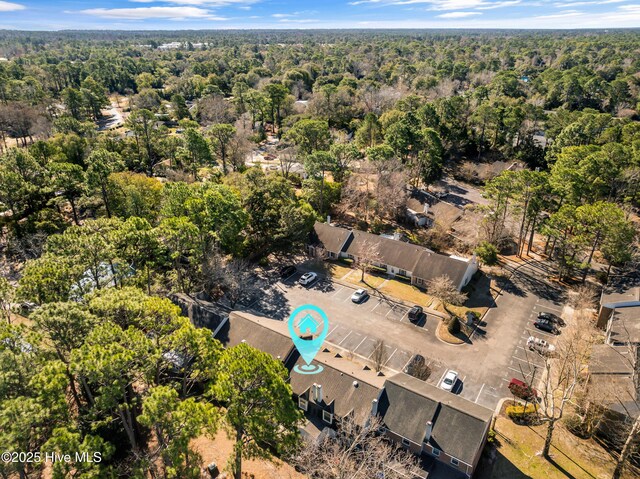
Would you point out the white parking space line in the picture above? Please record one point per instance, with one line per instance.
(521, 372)
(337, 292)
(540, 332)
(479, 392)
(528, 362)
(334, 328)
(390, 356)
(356, 348)
(346, 299)
(378, 304)
(404, 315)
(343, 339)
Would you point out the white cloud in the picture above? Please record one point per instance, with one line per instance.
(10, 7)
(200, 3)
(445, 4)
(282, 15)
(299, 20)
(507, 3)
(143, 13)
(458, 14)
(565, 14)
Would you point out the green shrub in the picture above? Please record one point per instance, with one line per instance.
(454, 325)
(487, 252)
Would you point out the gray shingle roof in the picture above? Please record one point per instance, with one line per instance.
(420, 261)
(459, 425)
(391, 252)
(329, 237)
(264, 334)
(338, 389)
(431, 265)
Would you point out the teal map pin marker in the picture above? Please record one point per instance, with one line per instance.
(308, 321)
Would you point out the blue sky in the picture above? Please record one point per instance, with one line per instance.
(219, 14)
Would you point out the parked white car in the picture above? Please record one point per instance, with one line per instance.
(359, 295)
(307, 278)
(540, 345)
(449, 381)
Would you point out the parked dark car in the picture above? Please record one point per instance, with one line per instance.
(418, 368)
(546, 325)
(415, 313)
(287, 271)
(551, 317)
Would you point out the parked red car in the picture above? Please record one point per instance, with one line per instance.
(520, 389)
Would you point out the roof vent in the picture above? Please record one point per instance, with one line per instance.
(355, 384)
(243, 341)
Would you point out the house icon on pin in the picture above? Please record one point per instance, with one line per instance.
(308, 325)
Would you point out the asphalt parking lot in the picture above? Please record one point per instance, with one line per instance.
(523, 362)
(485, 366)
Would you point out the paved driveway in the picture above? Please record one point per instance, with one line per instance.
(495, 355)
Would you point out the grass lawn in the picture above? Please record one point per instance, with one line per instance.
(406, 292)
(338, 271)
(571, 457)
(370, 280)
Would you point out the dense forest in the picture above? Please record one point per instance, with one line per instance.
(128, 172)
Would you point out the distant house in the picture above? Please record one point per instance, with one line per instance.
(429, 421)
(416, 212)
(417, 263)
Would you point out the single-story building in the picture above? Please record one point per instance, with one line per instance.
(415, 262)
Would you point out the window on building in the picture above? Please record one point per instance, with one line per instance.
(405, 442)
(454, 461)
(303, 404)
(435, 451)
(402, 272)
(327, 417)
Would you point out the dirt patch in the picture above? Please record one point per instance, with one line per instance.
(220, 448)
